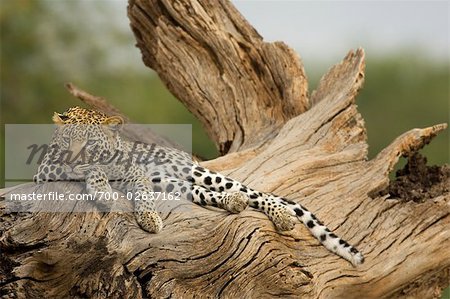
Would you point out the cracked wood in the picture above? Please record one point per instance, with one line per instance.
(251, 97)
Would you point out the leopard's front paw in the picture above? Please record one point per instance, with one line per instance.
(235, 202)
(283, 218)
(150, 221)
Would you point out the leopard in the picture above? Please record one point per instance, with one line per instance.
(97, 149)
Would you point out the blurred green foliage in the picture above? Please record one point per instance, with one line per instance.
(43, 47)
(401, 92)
(45, 44)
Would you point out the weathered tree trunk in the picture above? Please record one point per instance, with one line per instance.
(252, 98)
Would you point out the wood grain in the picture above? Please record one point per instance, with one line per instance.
(251, 96)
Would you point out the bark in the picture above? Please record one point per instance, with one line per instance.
(252, 98)
(242, 89)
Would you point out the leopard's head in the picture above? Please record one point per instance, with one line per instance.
(88, 136)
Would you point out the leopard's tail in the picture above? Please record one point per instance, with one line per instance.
(326, 237)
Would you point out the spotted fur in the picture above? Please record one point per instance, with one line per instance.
(156, 168)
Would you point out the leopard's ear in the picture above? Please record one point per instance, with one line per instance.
(59, 118)
(114, 122)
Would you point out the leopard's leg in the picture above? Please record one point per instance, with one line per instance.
(136, 182)
(282, 217)
(97, 182)
(234, 202)
(144, 205)
(283, 212)
(53, 169)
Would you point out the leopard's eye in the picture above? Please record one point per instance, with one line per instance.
(91, 141)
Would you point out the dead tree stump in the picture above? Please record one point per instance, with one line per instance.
(252, 99)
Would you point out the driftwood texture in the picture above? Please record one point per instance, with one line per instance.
(252, 98)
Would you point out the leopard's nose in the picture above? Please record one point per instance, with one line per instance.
(77, 149)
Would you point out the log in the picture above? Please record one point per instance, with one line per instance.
(210, 58)
(252, 98)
